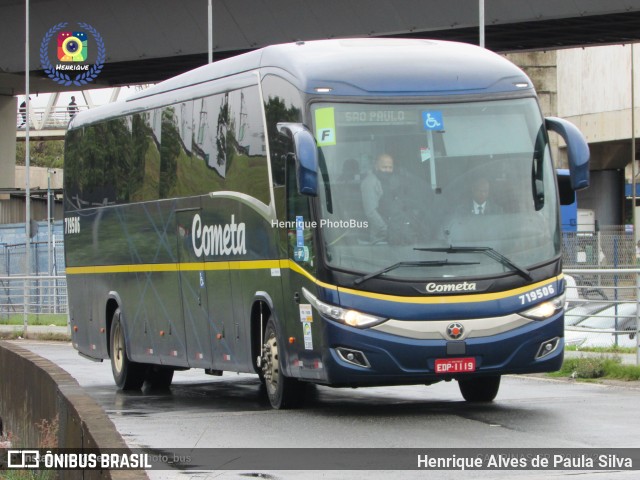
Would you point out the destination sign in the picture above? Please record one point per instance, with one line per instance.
(377, 117)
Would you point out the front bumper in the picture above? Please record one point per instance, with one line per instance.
(396, 360)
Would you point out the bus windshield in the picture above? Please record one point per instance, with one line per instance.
(425, 191)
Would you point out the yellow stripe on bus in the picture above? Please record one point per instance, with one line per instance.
(140, 268)
(477, 297)
(174, 267)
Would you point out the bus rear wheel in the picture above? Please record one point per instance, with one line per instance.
(480, 389)
(283, 392)
(128, 375)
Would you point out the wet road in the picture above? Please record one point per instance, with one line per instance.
(232, 411)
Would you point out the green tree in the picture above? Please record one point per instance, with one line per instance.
(42, 153)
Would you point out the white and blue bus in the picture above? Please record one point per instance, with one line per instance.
(305, 212)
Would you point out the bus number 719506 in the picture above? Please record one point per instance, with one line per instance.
(537, 294)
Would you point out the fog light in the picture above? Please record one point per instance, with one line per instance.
(355, 357)
(548, 347)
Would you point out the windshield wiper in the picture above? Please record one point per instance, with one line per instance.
(425, 263)
(488, 251)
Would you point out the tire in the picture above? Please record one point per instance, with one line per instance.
(480, 389)
(128, 375)
(283, 392)
(158, 378)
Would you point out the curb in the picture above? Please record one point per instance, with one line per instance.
(33, 388)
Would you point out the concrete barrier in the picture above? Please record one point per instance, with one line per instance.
(33, 389)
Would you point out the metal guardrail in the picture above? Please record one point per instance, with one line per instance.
(602, 308)
(33, 295)
(42, 118)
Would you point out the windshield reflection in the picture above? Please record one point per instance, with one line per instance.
(401, 183)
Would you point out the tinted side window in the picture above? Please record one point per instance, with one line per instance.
(282, 103)
(245, 148)
(228, 133)
(191, 148)
(100, 164)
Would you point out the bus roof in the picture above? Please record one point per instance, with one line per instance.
(359, 67)
(375, 66)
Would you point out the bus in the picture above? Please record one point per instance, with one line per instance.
(303, 212)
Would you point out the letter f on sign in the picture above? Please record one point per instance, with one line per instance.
(326, 136)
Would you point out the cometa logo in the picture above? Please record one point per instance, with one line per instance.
(450, 287)
(226, 239)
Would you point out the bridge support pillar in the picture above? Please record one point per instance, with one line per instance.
(8, 111)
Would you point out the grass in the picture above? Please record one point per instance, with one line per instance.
(48, 439)
(52, 337)
(17, 320)
(59, 320)
(573, 348)
(600, 367)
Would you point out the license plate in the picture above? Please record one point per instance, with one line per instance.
(455, 365)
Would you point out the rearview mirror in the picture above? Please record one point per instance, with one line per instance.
(306, 156)
(577, 150)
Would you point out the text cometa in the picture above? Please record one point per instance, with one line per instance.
(226, 239)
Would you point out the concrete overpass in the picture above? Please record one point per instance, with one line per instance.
(148, 41)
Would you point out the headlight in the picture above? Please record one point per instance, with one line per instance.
(352, 318)
(546, 309)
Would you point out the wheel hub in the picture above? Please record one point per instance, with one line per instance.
(118, 346)
(270, 367)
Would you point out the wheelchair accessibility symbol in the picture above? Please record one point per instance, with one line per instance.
(432, 120)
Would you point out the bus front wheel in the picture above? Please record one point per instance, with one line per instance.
(128, 375)
(480, 389)
(283, 392)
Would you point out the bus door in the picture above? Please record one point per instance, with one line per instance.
(198, 327)
(301, 252)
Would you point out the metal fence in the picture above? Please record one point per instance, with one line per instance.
(601, 269)
(602, 309)
(43, 291)
(41, 295)
(609, 247)
(47, 258)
